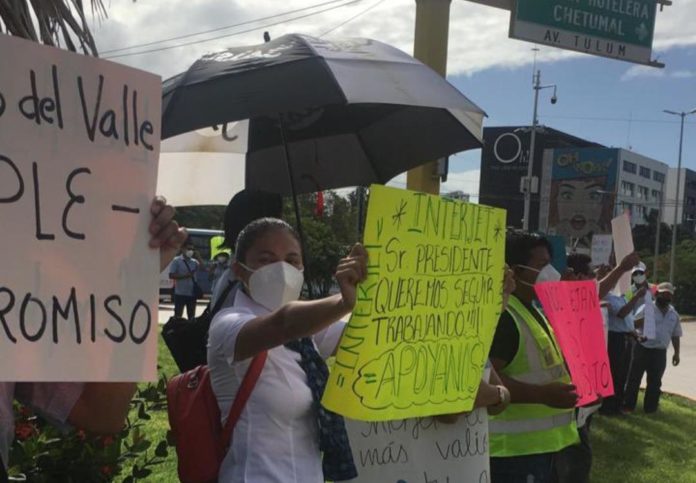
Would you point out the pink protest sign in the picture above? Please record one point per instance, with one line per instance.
(574, 313)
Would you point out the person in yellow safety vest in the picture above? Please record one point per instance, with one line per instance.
(540, 421)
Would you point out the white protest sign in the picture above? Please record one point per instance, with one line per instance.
(79, 144)
(623, 245)
(649, 328)
(194, 179)
(601, 249)
(421, 450)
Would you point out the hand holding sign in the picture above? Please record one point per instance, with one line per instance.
(165, 232)
(573, 311)
(559, 395)
(350, 272)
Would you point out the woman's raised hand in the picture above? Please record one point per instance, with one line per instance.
(165, 233)
(350, 272)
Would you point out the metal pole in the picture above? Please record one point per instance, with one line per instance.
(532, 147)
(676, 203)
(361, 210)
(659, 229)
(296, 205)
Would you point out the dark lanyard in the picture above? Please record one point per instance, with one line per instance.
(3, 473)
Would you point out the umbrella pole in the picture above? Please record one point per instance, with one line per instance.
(296, 204)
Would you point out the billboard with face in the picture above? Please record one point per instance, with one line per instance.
(504, 161)
(582, 193)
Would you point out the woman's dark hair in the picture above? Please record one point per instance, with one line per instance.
(247, 206)
(519, 245)
(255, 230)
(580, 263)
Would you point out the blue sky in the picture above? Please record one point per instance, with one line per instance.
(597, 98)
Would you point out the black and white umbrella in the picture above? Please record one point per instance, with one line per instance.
(334, 113)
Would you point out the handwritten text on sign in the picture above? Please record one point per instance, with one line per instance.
(421, 330)
(421, 450)
(574, 312)
(79, 141)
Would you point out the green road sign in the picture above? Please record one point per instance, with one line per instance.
(620, 29)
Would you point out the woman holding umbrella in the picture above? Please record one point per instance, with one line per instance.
(283, 430)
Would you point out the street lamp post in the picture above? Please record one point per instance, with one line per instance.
(659, 229)
(536, 85)
(673, 254)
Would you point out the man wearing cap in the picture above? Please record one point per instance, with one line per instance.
(639, 280)
(620, 344)
(650, 356)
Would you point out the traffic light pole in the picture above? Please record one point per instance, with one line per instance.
(430, 47)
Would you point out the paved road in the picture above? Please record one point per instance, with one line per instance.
(167, 310)
(681, 379)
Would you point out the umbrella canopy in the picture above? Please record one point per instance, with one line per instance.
(350, 112)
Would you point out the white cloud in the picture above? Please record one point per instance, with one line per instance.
(683, 74)
(464, 181)
(478, 37)
(641, 71)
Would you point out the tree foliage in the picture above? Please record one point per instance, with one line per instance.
(328, 237)
(208, 217)
(684, 270)
(52, 22)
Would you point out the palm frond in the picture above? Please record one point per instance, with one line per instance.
(52, 22)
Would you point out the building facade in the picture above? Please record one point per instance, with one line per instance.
(504, 162)
(686, 204)
(641, 188)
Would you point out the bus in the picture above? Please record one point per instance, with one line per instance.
(207, 244)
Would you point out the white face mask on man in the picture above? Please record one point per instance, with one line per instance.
(547, 274)
(188, 253)
(275, 284)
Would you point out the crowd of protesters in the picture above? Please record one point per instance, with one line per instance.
(537, 432)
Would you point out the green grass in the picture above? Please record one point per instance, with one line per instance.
(638, 448)
(157, 427)
(647, 448)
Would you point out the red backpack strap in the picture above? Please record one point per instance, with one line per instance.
(250, 378)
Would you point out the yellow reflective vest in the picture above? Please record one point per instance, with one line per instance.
(525, 429)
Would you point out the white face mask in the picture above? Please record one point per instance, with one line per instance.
(189, 253)
(639, 279)
(275, 284)
(546, 274)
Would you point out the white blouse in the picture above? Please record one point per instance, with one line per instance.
(276, 438)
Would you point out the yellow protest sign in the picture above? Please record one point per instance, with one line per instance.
(419, 336)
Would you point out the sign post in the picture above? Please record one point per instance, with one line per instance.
(617, 29)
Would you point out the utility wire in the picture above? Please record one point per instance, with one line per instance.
(184, 44)
(615, 119)
(218, 29)
(379, 2)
